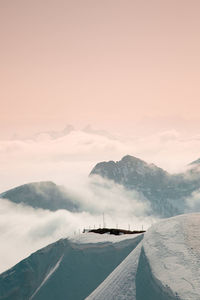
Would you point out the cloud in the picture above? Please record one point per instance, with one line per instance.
(193, 202)
(26, 229)
(100, 195)
(61, 159)
(66, 156)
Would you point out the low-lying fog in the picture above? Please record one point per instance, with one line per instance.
(24, 229)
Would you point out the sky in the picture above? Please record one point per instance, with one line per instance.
(125, 66)
(86, 81)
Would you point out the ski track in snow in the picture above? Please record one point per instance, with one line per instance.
(192, 238)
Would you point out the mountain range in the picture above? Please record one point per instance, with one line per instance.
(166, 194)
(161, 264)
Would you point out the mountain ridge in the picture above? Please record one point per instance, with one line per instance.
(167, 193)
(54, 271)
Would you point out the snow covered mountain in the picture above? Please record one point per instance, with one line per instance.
(162, 264)
(67, 269)
(165, 192)
(45, 194)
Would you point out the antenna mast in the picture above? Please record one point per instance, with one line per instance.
(104, 225)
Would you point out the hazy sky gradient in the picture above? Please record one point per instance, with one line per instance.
(114, 64)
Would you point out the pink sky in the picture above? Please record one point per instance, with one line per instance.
(111, 63)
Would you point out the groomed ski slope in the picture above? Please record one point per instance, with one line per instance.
(164, 266)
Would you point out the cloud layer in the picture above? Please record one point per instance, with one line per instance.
(26, 229)
(70, 155)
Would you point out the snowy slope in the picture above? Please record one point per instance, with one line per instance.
(164, 266)
(120, 284)
(67, 269)
(173, 254)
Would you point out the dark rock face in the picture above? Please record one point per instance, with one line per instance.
(131, 171)
(165, 192)
(116, 231)
(46, 195)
